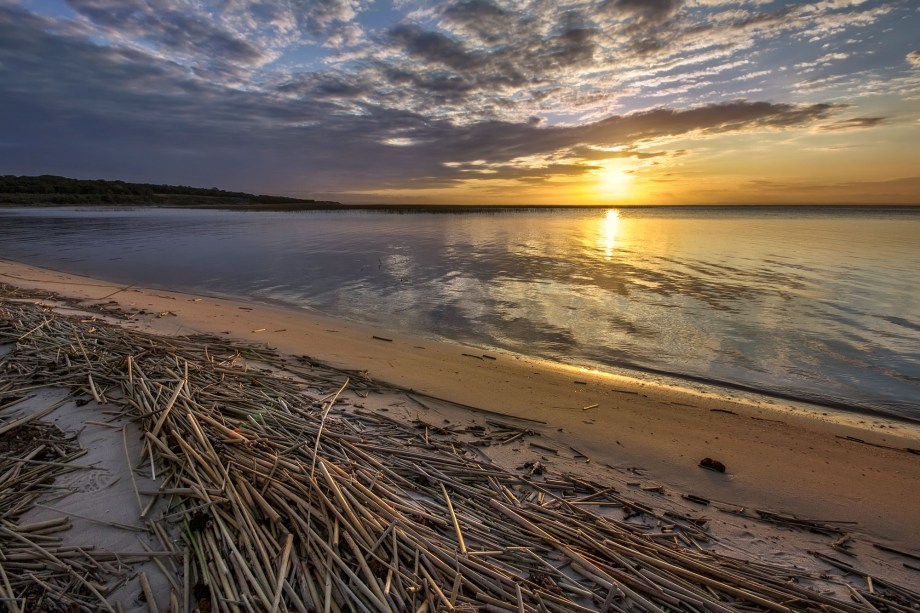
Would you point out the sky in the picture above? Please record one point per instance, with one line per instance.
(609, 102)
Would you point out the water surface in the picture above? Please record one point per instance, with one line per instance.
(821, 304)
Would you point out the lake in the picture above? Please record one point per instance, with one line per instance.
(820, 304)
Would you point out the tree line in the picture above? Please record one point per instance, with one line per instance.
(51, 189)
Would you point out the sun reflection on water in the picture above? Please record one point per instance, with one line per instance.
(610, 229)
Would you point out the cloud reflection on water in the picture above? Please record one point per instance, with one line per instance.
(817, 304)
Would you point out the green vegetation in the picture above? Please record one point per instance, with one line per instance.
(50, 189)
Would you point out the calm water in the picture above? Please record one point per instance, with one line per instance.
(822, 305)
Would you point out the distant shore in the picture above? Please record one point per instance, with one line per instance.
(52, 191)
(41, 201)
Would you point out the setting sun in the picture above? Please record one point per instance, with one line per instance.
(614, 182)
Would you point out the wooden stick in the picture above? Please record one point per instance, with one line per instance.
(285, 558)
(453, 516)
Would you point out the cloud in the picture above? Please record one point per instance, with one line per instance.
(738, 115)
(433, 47)
(595, 154)
(163, 23)
(347, 35)
(315, 94)
(534, 57)
(233, 35)
(319, 16)
(824, 60)
(855, 123)
(913, 58)
(113, 107)
(644, 11)
(479, 19)
(531, 174)
(498, 143)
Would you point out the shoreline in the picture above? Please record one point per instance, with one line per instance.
(807, 462)
(697, 386)
(704, 387)
(825, 379)
(514, 441)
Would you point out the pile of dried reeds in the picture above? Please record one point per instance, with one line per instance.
(36, 571)
(286, 499)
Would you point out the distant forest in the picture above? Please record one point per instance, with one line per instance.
(50, 189)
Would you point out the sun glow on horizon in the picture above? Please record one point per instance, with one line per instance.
(614, 182)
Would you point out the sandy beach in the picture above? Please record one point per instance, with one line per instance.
(858, 473)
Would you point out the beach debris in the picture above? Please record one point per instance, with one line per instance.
(578, 454)
(900, 552)
(277, 497)
(545, 448)
(382, 338)
(533, 468)
(843, 544)
(824, 527)
(710, 464)
(38, 572)
(854, 439)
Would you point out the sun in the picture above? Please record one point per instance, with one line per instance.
(614, 181)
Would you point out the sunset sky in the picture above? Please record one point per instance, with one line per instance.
(471, 101)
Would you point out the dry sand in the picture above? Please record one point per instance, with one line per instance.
(794, 460)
